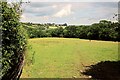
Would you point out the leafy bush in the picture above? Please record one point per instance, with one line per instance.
(13, 37)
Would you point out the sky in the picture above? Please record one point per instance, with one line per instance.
(66, 11)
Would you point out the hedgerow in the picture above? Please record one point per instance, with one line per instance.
(14, 38)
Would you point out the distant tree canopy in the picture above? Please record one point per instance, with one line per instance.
(104, 30)
(13, 38)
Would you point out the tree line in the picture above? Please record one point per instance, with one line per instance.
(104, 30)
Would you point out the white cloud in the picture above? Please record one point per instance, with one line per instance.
(65, 11)
(54, 6)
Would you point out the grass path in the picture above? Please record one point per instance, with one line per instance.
(64, 58)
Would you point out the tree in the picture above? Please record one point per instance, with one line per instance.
(89, 35)
(70, 31)
(59, 32)
(65, 24)
(83, 30)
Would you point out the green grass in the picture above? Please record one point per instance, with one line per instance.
(64, 58)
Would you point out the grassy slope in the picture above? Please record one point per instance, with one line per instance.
(64, 58)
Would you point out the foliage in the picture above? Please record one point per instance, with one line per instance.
(70, 32)
(13, 36)
(104, 30)
(58, 32)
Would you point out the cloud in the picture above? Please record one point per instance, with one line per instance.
(69, 12)
(65, 11)
(40, 9)
(54, 6)
(40, 5)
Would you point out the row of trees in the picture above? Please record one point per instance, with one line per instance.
(104, 30)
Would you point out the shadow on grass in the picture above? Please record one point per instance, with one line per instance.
(105, 70)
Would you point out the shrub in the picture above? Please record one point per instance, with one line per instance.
(13, 37)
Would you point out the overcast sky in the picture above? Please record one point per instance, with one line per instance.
(68, 12)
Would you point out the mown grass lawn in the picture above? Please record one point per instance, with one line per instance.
(64, 58)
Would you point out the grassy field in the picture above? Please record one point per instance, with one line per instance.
(64, 58)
